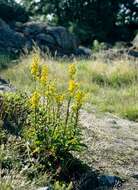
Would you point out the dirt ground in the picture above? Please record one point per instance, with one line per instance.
(112, 146)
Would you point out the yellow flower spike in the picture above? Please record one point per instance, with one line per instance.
(35, 100)
(72, 70)
(72, 86)
(59, 99)
(44, 75)
(35, 65)
(79, 98)
(51, 89)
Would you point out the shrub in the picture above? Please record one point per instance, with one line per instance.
(97, 46)
(13, 112)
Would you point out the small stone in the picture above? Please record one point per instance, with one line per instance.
(44, 188)
(109, 181)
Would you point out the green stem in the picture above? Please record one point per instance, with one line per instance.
(76, 121)
(57, 117)
(67, 117)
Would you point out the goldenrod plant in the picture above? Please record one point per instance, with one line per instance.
(52, 130)
(46, 121)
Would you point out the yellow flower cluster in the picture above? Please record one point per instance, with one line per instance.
(72, 70)
(79, 97)
(44, 75)
(35, 100)
(59, 99)
(35, 65)
(72, 86)
(51, 89)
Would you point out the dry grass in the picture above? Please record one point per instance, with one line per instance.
(112, 86)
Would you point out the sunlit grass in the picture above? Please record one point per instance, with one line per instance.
(112, 86)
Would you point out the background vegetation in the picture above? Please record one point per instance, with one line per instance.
(111, 85)
(107, 21)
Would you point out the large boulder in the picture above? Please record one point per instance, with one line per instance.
(55, 38)
(10, 40)
(83, 52)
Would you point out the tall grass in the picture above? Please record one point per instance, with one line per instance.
(111, 85)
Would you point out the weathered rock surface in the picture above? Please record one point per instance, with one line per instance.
(56, 39)
(83, 51)
(44, 188)
(92, 181)
(10, 40)
(5, 86)
(112, 144)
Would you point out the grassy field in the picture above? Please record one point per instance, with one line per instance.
(111, 85)
(108, 119)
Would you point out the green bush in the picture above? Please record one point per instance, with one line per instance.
(13, 112)
(97, 46)
(131, 113)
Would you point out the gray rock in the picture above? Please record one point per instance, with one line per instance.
(33, 28)
(135, 175)
(5, 86)
(44, 188)
(56, 38)
(109, 181)
(10, 40)
(83, 52)
(133, 53)
(97, 182)
(63, 38)
(46, 41)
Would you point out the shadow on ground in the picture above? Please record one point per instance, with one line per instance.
(87, 178)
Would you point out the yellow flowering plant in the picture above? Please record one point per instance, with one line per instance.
(44, 75)
(72, 87)
(35, 65)
(34, 101)
(72, 71)
(53, 122)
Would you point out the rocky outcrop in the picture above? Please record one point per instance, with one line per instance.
(10, 40)
(55, 39)
(83, 51)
